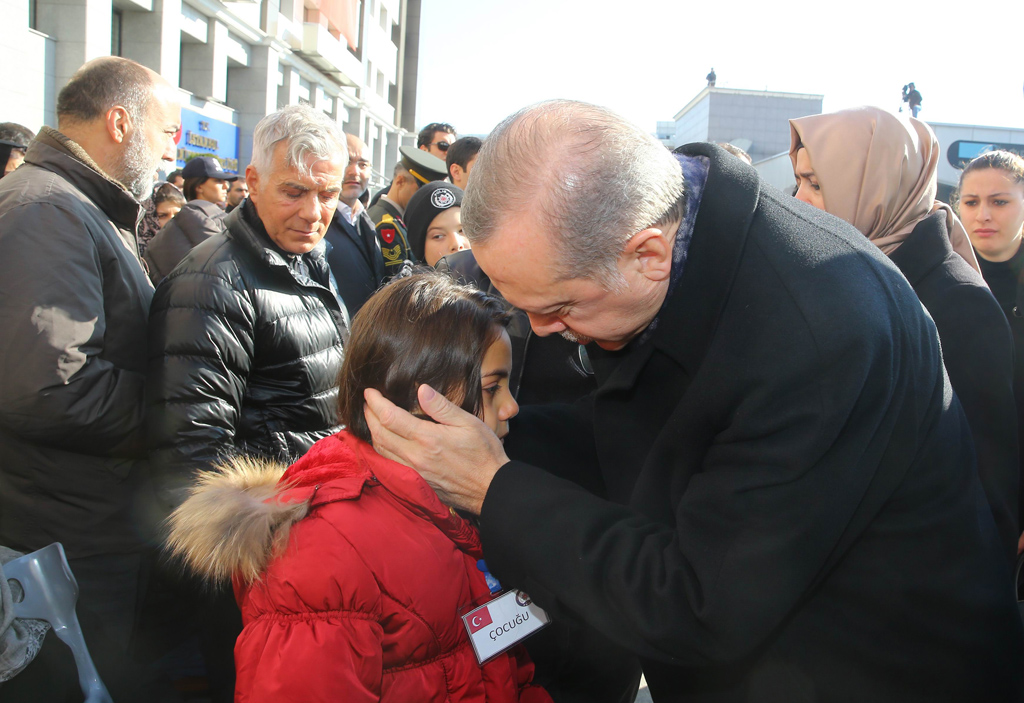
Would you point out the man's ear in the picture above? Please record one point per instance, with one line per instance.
(455, 172)
(252, 180)
(650, 251)
(118, 124)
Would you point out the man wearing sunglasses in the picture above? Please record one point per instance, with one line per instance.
(435, 138)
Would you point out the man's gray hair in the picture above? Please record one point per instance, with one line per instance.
(312, 136)
(593, 178)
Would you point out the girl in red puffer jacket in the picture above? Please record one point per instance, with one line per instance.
(350, 572)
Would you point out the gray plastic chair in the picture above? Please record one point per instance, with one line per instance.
(51, 593)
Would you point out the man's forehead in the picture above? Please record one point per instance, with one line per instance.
(357, 148)
(521, 265)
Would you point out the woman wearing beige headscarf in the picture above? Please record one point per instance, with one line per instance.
(877, 171)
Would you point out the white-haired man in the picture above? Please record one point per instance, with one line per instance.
(246, 334)
(783, 503)
(246, 341)
(74, 303)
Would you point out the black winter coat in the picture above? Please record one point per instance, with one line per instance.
(977, 350)
(194, 224)
(244, 354)
(74, 300)
(1006, 279)
(788, 508)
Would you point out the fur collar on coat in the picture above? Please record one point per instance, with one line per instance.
(238, 516)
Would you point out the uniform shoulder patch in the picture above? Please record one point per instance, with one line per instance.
(387, 233)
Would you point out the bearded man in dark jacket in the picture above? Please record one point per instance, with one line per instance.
(247, 333)
(74, 304)
(772, 495)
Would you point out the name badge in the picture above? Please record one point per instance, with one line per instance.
(503, 623)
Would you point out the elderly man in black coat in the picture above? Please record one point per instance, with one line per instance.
(783, 502)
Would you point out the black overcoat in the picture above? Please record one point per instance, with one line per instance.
(791, 507)
(977, 350)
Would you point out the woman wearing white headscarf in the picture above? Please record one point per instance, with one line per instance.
(878, 172)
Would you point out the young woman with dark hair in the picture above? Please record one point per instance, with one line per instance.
(159, 208)
(350, 572)
(991, 203)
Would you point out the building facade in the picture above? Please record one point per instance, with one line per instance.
(754, 120)
(234, 62)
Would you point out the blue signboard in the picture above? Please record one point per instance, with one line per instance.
(202, 136)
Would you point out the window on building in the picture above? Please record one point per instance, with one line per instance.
(116, 19)
(383, 18)
(33, 22)
(382, 84)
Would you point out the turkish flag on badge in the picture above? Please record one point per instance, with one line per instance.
(388, 235)
(478, 619)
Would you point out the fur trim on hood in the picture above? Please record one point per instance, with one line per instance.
(232, 525)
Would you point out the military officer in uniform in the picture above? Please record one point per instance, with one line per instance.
(414, 169)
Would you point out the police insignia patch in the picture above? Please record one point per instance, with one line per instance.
(387, 234)
(442, 198)
(392, 256)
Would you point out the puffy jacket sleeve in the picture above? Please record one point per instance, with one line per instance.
(55, 384)
(312, 630)
(201, 347)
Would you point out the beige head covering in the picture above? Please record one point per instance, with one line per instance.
(878, 172)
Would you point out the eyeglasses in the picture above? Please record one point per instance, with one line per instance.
(443, 146)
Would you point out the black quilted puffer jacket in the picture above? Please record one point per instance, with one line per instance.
(245, 344)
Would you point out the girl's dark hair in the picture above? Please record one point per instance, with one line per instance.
(191, 184)
(167, 192)
(425, 328)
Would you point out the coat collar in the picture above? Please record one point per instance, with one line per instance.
(924, 249)
(55, 152)
(689, 316)
(727, 207)
(244, 226)
(340, 466)
(209, 209)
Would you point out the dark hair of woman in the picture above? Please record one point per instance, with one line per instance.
(190, 186)
(167, 192)
(421, 329)
(1008, 162)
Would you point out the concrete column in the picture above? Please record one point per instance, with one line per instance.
(288, 91)
(353, 121)
(28, 92)
(81, 29)
(253, 94)
(204, 67)
(154, 38)
(390, 153)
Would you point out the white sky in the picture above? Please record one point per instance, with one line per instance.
(481, 60)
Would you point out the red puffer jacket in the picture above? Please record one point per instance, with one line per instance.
(362, 600)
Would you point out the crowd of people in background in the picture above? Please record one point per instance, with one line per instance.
(764, 445)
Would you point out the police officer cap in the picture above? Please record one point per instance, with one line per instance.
(424, 166)
(206, 167)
